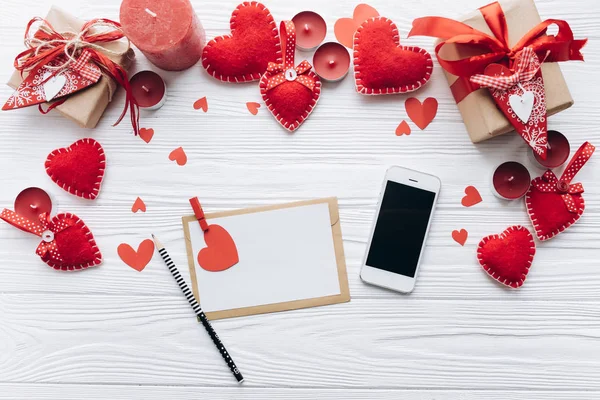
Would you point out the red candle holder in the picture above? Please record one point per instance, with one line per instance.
(310, 30)
(32, 202)
(510, 181)
(331, 62)
(557, 153)
(149, 90)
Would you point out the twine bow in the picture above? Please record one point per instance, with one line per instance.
(286, 71)
(551, 184)
(527, 65)
(75, 50)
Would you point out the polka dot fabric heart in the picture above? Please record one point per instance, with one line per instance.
(382, 66)
(555, 204)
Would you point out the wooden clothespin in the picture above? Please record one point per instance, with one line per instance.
(199, 213)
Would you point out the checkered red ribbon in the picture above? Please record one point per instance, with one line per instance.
(550, 183)
(82, 66)
(527, 65)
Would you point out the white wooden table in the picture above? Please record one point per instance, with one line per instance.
(113, 333)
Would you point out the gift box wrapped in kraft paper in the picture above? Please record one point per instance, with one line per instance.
(85, 107)
(465, 47)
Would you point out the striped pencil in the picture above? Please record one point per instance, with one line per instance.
(199, 313)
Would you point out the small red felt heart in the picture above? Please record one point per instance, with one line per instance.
(220, 252)
(79, 168)
(245, 54)
(421, 113)
(382, 66)
(139, 259)
(146, 134)
(471, 197)
(178, 155)
(460, 237)
(507, 257)
(403, 129)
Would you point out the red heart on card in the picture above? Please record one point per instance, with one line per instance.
(382, 66)
(245, 54)
(471, 197)
(178, 155)
(76, 247)
(79, 168)
(344, 28)
(146, 134)
(139, 259)
(460, 237)
(507, 257)
(421, 113)
(220, 252)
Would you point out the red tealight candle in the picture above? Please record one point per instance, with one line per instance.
(510, 181)
(557, 153)
(32, 202)
(331, 61)
(310, 30)
(149, 90)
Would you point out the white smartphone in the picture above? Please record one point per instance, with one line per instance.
(406, 204)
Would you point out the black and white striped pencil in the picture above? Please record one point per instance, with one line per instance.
(199, 313)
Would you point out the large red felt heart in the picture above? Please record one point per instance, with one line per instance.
(382, 66)
(244, 55)
(220, 252)
(79, 168)
(507, 257)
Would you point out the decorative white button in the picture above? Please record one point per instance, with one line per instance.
(48, 236)
(291, 74)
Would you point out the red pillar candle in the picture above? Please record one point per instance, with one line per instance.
(32, 202)
(331, 61)
(149, 90)
(310, 30)
(510, 181)
(166, 31)
(557, 153)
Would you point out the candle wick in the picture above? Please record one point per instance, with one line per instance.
(331, 63)
(33, 207)
(145, 89)
(512, 178)
(306, 28)
(549, 147)
(153, 14)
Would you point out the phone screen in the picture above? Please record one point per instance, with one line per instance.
(400, 229)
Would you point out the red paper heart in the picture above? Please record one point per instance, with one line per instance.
(460, 237)
(508, 256)
(421, 113)
(253, 107)
(139, 259)
(178, 155)
(382, 66)
(403, 129)
(146, 134)
(245, 54)
(201, 104)
(471, 197)
(220, 252)
(79, 168)
(138, 205)
(344, 28)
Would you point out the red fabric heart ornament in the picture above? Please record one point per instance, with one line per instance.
(79, 168)
(382, 66)
(245, 54)
(507, 257)
(290, 92)
(555, 204)
(67, 243)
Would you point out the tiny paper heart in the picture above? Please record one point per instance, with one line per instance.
(146, 134)
(201, 103)
(507, 257)
(471, 197)
(460, 237)
(79, 168)
(178, 155)
(244, 55)
(220, 252)
(522, 105)
(382, 65)
(253, 107)
(344, 28)
(54, 85)
(138, 205)
(421, 113)
(403, 129)
(139, 259)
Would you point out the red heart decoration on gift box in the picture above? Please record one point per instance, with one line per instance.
(382, 65)
(507, 257)
(220, 252)
(79, 168)
(245, 54)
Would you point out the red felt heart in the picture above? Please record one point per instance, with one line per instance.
(220, 252)
(245, 54)
(507, 257)
(382, 66)
(79, 168)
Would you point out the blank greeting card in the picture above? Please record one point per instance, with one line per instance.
(274, 258)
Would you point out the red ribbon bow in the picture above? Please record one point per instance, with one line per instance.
(527, 65)
(45, 228)
(551, 184)
(279, 73)
(46, 45)
(559, 47)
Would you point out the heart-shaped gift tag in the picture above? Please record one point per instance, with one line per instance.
(79, 168)
(290, 92)
(382, 65)
(507, 257)
(555, 204)
(53, 85)
(245, 54)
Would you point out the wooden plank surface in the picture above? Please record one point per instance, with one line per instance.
(112, 332)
